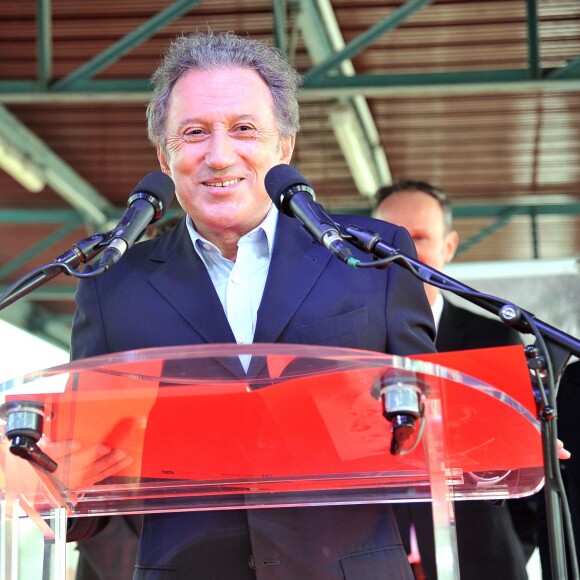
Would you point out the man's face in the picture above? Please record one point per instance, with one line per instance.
(423, 217)
(222, 137)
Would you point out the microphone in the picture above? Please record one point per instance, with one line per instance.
(146, 205)
(293, 195)
(400, 396)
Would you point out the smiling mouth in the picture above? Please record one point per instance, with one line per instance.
(222, 183)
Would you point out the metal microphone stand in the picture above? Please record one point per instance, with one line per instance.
(81, 253)
(546, 360)
(25, 419)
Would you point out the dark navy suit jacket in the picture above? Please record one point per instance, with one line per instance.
(160, 294)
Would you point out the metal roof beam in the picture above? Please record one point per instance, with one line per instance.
(44, 41)
(279, 25)
(57, 173)
(485, 232)
(500, 210)
(351, 118)
(41, 246)
(365, 39)
(38, 216)
(418, 79)
(136, 37)
(468, 210)
(43, 294)
(570, 71)
(373, 86)
(533, 39)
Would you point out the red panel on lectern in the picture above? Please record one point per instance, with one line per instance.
(322, 424)
(504, 368)
(332, 424)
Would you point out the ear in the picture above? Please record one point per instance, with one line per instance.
(163, 161)
(451, 243)
(287, 148)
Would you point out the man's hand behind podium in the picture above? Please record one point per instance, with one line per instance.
(80, 466)
(563, 453)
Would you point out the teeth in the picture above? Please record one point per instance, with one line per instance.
(223, 183)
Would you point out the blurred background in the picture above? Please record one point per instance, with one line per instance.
(479, 98)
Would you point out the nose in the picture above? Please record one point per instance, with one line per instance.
(221, 151)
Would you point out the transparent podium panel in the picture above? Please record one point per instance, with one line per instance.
(304, 425)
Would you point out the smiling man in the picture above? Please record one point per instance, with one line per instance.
(220, 141)
(224, 111)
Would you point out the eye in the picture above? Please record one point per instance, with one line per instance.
(193, 135)
(244, 128)
(193, 132)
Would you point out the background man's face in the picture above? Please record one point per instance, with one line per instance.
(423, 217)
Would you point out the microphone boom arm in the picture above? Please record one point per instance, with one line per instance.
(508, 313)
(556, 347)
(81, 253)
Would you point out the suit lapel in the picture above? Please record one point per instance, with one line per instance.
(297, 263)
(183, 281)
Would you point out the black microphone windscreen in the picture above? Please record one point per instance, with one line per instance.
(280, 179)
(159, 185)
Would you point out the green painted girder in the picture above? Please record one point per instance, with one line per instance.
(41, 246)
(500, 213)
(358, 44)
(70, 221)
(279, 22)
(419, 79)
(467, 210)
(499, 210)
(504, 214)
(57, 216)
(570, 71)
(138, 91)
(136, 37)
(48, 292)
(533, 39)
(58, 174)
(502, 219)
(44, 41)
(39, 216)
(79, 81)
(535, 237)
(79, 87)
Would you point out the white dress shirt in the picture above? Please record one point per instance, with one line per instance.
(437, 309)
(240, 284)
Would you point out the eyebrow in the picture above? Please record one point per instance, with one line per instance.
(194, 120)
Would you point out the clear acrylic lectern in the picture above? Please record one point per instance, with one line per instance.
(303, 426)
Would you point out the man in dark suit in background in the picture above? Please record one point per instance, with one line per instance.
(235, 270)
(494, 541)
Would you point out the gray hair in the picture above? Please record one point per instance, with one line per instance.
(207, 51)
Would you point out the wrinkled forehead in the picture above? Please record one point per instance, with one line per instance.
(221, 93)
